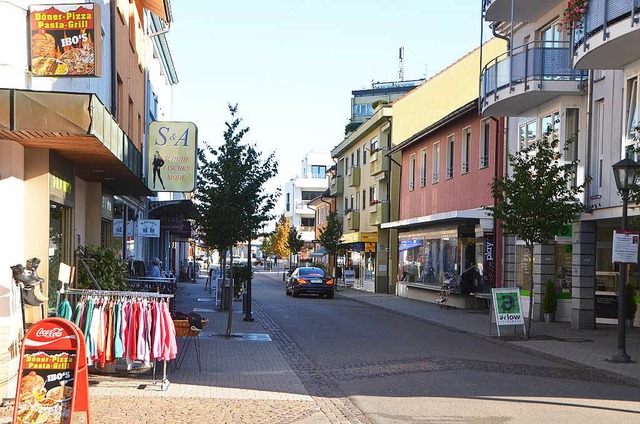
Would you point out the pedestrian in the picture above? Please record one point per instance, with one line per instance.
(155, 268)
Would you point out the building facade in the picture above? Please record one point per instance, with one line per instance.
(70, 147)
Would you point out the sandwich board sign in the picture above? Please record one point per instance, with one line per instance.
(507, 306)
(53, 379)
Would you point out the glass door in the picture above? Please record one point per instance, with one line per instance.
(60, 247)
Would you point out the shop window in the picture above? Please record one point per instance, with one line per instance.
(429, 261)
(523, 270)
(61, 246)
(563, 258)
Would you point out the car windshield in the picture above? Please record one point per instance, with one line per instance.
(311, 272)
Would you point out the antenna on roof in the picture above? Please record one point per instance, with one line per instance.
(401, 70)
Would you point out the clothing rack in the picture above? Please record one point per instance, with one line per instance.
(117, 293)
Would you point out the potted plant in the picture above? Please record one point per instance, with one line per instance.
(631, 306)
(573, 17)
(550, 302)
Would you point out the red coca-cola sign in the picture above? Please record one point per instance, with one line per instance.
(50, 333)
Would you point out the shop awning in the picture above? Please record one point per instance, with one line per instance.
(409, 244)
(81, 129)
(183, 208)
(318, 253)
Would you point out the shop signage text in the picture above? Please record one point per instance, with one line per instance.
(149, 228)
(171, 161)
(507, 306)
(625, 247)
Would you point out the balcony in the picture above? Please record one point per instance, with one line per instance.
(379, 213)
(335, 186)
(379, 165)
(353, 220)
(611, 29)
(302, 208)
(353, 177)
(523, 10)
(536, 73)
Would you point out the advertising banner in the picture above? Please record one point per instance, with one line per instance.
(53, 379)
(63, 40)
(507, 306)
(149, 228)
(625, 247)
(171, 161)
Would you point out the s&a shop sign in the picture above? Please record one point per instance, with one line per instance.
(507, 306)
(171, 160)
(63, 40)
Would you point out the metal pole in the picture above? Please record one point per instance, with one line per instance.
(248, 316)
(621, 353)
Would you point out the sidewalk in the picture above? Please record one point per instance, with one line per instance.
(592, 348)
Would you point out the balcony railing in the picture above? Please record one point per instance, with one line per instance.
(335, 186)
(536, 62)
(353, 220)
(380, 165)
(378, 213)
(600, 16)
(353, 178)
(523, 10)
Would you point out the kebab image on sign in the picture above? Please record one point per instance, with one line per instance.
(63, 40)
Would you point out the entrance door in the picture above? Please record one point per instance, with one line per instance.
(60, 247)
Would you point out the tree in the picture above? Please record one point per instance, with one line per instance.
(280, 247)
(294, 241)
(538, 198)
(267, 243)
(230, 194)
(331, 235)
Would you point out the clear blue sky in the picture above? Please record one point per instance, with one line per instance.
(291, 64)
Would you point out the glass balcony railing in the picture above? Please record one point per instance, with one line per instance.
(536, 61)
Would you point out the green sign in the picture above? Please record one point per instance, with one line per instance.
(507, 306)
(507, 303)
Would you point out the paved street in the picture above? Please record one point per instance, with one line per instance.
(355, 359)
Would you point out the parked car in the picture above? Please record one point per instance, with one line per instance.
(309, 280)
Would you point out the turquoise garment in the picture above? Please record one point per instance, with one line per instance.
(118, 346)
(88, 314)
(64, 310)
(78, 314)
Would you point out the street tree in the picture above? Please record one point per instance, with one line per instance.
(267, 243)
(330, 237)
(538, 197)
(294, 242)
(230, 195)
(280, 248)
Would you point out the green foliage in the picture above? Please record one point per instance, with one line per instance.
(351, 127)
(539, 197)
(240, 278)
(268, 244)
(378, 103)
(280, 246)
(294, 241)
(109, 270)
(550, 298)
(631, 305)
(331, 234)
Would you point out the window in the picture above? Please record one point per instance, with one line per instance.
(130, 124)
(310, 195)
(346, 162)
(450, 152)
(631, 118)
(550, 125)
(318, 171)
(372, 194)
(571, 137)
(423, 167)
(466, 150)
(412, 171)
(357, 164)
(528, 133)
(435, 165)
(132, 28)
(353, 160)
(484, 143)
(346, 203)
(598, 136)
(358, 201)
(288, 202)
(364, 154)
(364, 199)
(307, 222)
(140, 127)
(374, 144)
(120, 101)
(351, 202)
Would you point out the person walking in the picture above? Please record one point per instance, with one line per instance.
(158, 163)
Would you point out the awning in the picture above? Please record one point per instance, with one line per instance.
(409, 244)
(79, 128)
(318, 253)
(183, 208)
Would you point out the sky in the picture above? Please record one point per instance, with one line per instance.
(291, 65)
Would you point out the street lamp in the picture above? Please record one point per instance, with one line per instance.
(625, 173)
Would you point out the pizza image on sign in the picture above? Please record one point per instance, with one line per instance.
(63, 40)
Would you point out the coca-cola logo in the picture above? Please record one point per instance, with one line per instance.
(50, 333)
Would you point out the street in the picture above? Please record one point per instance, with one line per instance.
(397, 368)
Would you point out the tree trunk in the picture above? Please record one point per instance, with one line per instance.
(531, 293)
(230, 310)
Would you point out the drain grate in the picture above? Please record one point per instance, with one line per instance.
(253, 337)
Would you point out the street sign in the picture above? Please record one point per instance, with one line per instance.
(53, 379)
(507, 306)
(625, 247)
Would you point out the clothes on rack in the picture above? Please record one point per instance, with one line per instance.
(130, 328)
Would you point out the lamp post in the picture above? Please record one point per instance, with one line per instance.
(625, 174)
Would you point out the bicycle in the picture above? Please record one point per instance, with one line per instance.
(444, 295)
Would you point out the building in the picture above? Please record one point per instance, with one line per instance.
(582, 84)
(72, 131)
(323, 205)
(310, 183)
(362, 100)
(443, 232)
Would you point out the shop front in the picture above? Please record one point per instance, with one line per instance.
(359, 260)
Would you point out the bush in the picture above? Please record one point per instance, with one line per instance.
(350, 127)
(550, 298)
(631, 306)
(109, 270)
(378, 103)
(240, 278)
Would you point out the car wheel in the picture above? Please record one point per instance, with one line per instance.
(330, 295)
(287, 292)
(295, 294)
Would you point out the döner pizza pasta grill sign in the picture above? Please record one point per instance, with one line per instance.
(63, 40)
(53, 377)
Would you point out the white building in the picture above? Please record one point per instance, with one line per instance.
(310, 183)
